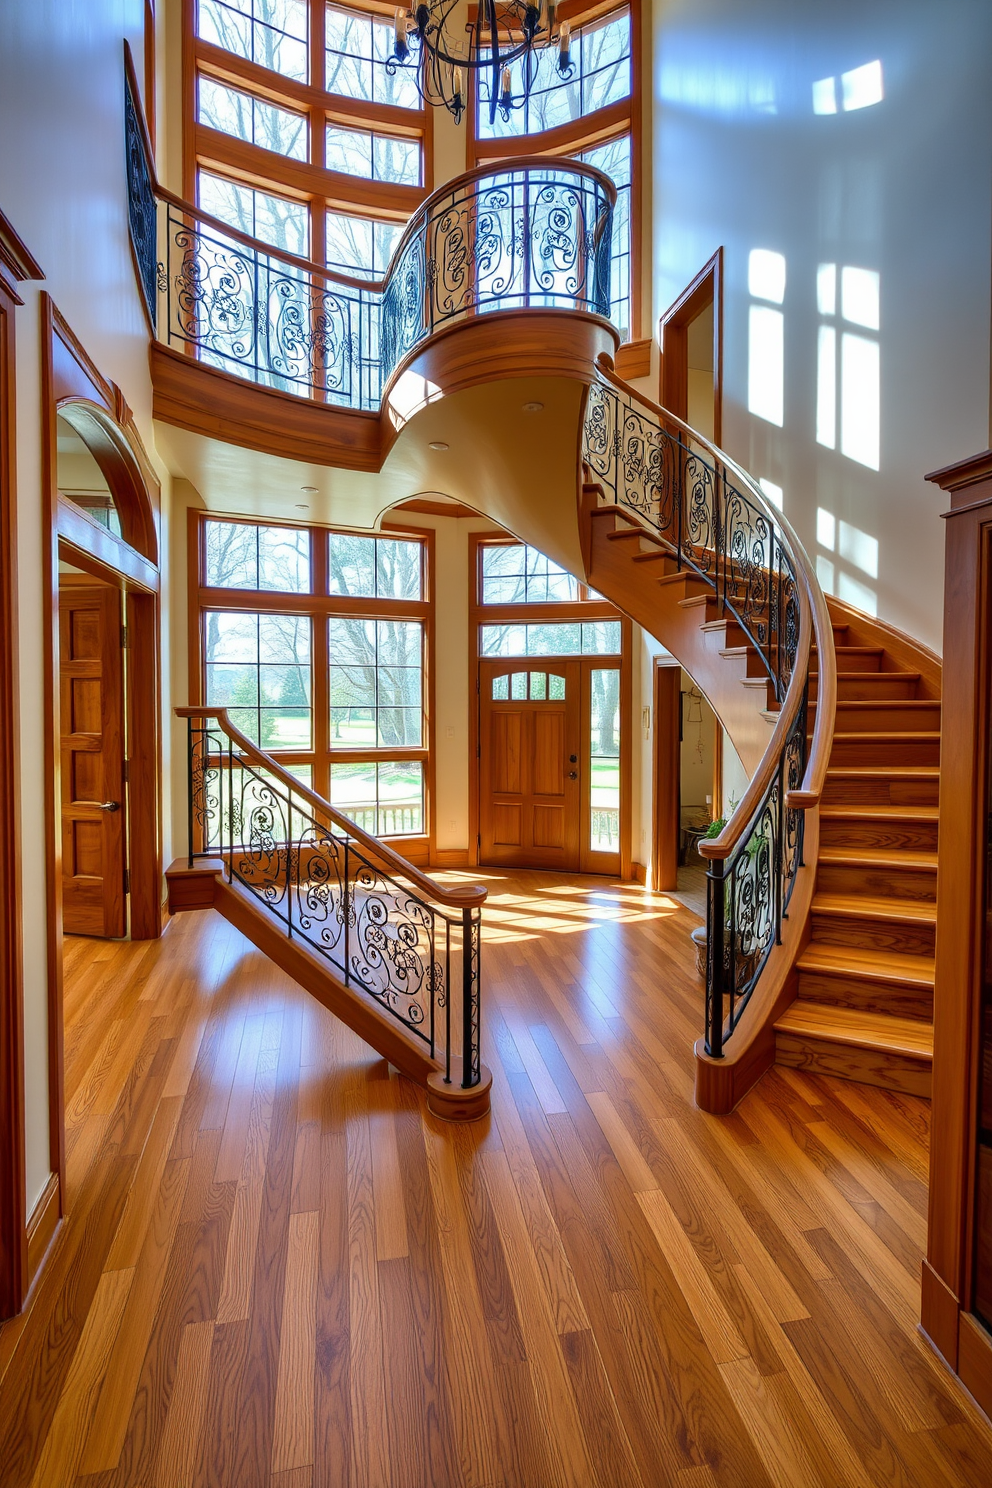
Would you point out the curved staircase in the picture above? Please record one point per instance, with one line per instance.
(835, 839)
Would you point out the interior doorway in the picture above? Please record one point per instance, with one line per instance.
(93, 752)
(691, 338)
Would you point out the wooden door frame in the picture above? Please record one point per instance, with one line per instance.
(73, 386)
(16, 266)
(673, 337)
(666, 781)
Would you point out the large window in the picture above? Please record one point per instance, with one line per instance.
(334, 148)
(589, 115)
(318, 643)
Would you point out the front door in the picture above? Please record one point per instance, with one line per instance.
(92, 722)
(529, 778)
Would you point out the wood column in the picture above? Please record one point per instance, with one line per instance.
(948, 1271)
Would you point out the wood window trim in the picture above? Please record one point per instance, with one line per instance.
(319, 606)
(481, 614)
(666, 774)
(306, 181)
(578, 135)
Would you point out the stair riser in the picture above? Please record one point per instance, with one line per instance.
(898, 718)
(910, 836)
(870, 687)
(866, 1066)
(907, 940)
(877, 883)
(866, 997)
(856, 661)
(893, 750)
(880, 793)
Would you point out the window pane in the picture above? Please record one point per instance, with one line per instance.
(614, 159)
(590, 638)
(284, 559)
(376, 683)
(349, 150)
(259, 667)
(369, 567)
(241, 555)
(358, 46)
(397, 569)
(556, 690)
(272, 33)
(604, 761)
(501, 689)
(361, 246)
(395, 159)
(276, 220)
(600, 57)
(253, 120)
(384, 798)
(523, 575)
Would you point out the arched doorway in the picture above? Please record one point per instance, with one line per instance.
(103, 691)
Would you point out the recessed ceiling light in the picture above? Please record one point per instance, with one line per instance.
(310, 490)
(439, 444)
(533, 407)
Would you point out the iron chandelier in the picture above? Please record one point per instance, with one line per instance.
(505, 32)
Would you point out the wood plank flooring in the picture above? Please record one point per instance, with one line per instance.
(279, 1271)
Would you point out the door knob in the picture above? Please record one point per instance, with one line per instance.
(573, 774)
(110, 805)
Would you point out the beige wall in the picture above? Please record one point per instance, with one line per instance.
(740, 160)
(62, 187)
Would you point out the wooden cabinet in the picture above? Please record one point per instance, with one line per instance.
(957, 1273)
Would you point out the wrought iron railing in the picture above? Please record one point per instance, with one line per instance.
(383, 928)
(716, 523)
(535, 234)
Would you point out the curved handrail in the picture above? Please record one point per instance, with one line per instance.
(812, 604)
(469, 896)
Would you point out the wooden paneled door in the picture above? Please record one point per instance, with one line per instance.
(93, 802)
(529, 797)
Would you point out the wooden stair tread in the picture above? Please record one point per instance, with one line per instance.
(893, 705)
(910, 812)
(895, 911)
(910, 1037)
(899, 676)
(868, 964)
(879, 857)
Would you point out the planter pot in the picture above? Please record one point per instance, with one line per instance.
(698, 937)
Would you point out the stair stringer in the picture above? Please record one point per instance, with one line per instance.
(205, 886)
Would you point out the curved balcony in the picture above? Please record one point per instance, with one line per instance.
(534, 235)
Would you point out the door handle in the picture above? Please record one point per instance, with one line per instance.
(110, 805)
(573, 774)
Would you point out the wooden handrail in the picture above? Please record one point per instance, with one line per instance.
(471, 896)
(814, 621)
(441, 193)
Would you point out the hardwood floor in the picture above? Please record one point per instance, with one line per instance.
(279, 1270)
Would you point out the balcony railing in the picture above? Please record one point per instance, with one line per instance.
(535, 234)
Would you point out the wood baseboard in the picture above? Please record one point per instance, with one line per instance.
(639, 873)
(450, 857)
(975, 1361)
(42, 1224)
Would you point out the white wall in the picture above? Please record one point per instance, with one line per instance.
(903, 187)
(62, 187)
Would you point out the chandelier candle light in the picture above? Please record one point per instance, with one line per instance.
(504, 32)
